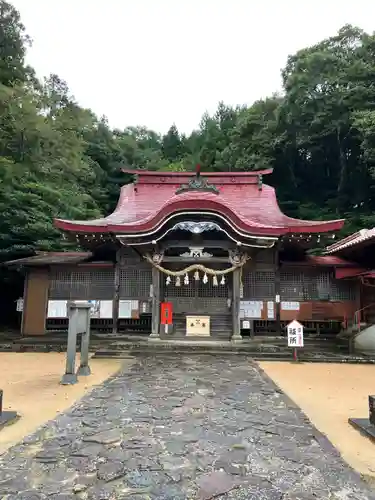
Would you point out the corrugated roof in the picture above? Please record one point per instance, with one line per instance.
(145, 205)
(354, 239)
(47, 258)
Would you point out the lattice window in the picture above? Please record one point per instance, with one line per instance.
(60, 284)
(343, 289)
(292, 285)
(172, 290)
(135, 282)
(323, 285)
(81, 284)
(315, 285)
(258, 285)
(103, 284)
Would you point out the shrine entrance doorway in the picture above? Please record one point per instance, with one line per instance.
(197, 297)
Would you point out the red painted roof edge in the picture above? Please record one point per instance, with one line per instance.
(149, 173)
(322, 227)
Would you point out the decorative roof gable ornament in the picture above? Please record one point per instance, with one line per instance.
(198, 183)
(197, 253)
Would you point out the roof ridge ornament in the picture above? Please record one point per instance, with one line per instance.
(198, 183)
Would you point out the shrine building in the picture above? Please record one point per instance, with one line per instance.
(215, 247)
(359, 248)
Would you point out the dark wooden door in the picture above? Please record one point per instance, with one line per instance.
(198, 297)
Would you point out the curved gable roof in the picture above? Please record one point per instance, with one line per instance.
(241, 197)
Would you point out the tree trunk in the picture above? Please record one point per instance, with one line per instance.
(343, 168)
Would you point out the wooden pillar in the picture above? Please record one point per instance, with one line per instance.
(116, 292)
(155, 309)
(236, 291)
(277, 291)
(35, 302)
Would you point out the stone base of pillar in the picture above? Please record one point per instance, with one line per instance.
(236, 339)
(154, 337)
(84, 371)
(8, 417)
(69, 379)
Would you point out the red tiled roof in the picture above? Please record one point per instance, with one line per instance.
(354, 239)
(369, 274)
(145, 205)
(324, 260)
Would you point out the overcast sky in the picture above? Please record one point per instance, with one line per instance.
(155, 62)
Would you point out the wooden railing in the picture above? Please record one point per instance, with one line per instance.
(356, 323)
(360, 314)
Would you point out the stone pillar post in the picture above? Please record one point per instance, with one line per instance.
(70, 376)
(155, 308)
(79, 322)
(84, 368)
(236, 291)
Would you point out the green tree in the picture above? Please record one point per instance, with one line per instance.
(172, 145)
(13, 42)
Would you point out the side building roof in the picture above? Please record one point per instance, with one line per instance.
(50, 258)
(359, 238)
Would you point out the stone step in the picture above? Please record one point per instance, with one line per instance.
(200, 349)
(220, 344)
(322, 357)
(201, 344)
(103, 342)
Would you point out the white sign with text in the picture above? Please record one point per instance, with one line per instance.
(295, 334)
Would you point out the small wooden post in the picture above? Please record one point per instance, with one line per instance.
(295, 354)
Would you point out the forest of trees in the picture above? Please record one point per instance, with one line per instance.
(60, 160)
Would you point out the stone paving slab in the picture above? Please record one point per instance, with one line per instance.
(180, 428)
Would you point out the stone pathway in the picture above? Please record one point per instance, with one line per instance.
(179, 428)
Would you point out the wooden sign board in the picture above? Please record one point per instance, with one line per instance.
(128, 309)
(295, 334)
(57, 309)
(198, 326)
(251, 309)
